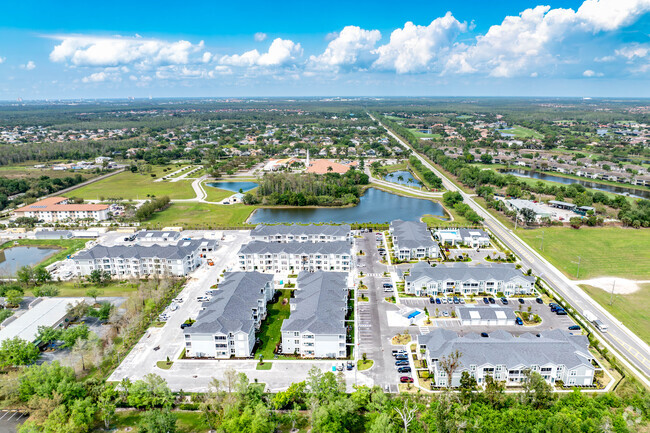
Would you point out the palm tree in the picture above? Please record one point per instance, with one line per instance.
(400, 178)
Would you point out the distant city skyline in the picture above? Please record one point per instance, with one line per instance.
(590, 48)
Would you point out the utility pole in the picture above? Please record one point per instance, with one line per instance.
(578, 262)
(542, 238)
(611, 297)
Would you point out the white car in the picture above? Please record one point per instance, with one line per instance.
(173, 307)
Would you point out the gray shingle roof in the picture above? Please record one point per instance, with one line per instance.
(502, 348)
(412, 234)
(296, 229)
(170, 252)
(230, 309)
(465, 271)
(259, 247)
(321, 304)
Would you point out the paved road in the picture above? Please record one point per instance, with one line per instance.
(636, 353)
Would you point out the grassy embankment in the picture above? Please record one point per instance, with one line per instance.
(65, 246)
(631, 309)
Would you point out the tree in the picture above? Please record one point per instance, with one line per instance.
(468, 387)
(528, 215)
(13, 298)
(47, 290)
(450, 198)
(99, 277)
(47, 334)
(537, 392)
(106, 408)
(486, 158)
(15, 352)
(158, 421)
(449, 364)
(493, 392)
(42, 275)
(25, 275)
(407, 414)
(94, 292)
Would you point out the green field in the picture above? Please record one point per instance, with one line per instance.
(188, 422)
(604, 251)
(129, 185)
(630, 309)
(194, 214)
(418, 134)
(522, 132)
(113, 288)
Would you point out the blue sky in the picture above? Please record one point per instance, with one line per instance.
(264, 48)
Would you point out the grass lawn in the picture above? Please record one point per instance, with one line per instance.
(270, 333)
(604, 251)
(114, 288)
(201, 215)
(364, 365)
(265, 366)
(418, 134)
(215, 194)
(129, 185)
(630, 309)
(521, 132)
(188, 422)
(66, 246)
(164, 364)
(21, 171)
(395, 167)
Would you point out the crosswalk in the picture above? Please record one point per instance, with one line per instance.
(364, 327)
(373, 274)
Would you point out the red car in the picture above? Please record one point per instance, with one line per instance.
(406, 379)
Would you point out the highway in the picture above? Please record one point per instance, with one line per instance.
(619, 339)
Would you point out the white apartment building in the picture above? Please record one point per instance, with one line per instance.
(140, 261)
(316, 326)
(302, 233)
(54, 209)
(226, 325)
(467, 279)
(295, 256)
(412, 240)
(556, 355)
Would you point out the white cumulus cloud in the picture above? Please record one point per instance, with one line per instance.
(2, 59)
(30, 65)
(630, 52)
(280, 53)
(117, 51)
(589, 73)
(351, 47)
(414, 48)
(259, 36)
(99, 77)
(608, 15)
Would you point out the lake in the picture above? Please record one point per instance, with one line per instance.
(375, 206)
(406, 175)
(234, 186)
(637, 193)
(12, 259)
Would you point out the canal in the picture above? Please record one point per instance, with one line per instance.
(375, 206)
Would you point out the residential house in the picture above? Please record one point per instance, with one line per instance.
(556, 355)
(316, 326)
(227, 324)
(466, 279)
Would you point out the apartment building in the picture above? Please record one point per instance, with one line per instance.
(140, 260)
(467, 279)
(226, 325)
(54, 209)
(302, 233)
(557, 355)
(295, 256)
(412, 240)
(316, 326)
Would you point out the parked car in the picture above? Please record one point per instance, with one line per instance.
(349, 366)
(432, 300)
(185, 325)
(445, 313)
(401, 357)
(388, 286)
(399, 352)
(462, 300)
(521, 301)
(504, 301)
(561, 313)
(404, 369)
(443, 300)
(484, 334)
(574, 328)
(485, 301)
(492, 301)
(401, 363)
(519, 321)
(539, 300)
(438, 301)
(456, 301)
(406, 379)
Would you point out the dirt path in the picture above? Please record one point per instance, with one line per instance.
(620, 286)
